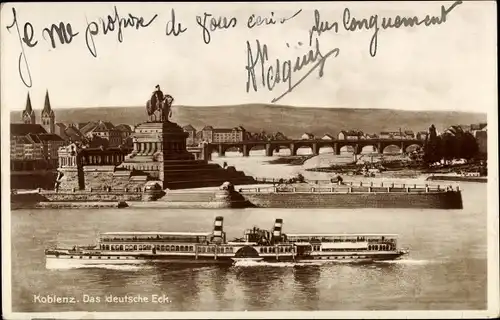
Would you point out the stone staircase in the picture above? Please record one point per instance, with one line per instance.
(199, 173)
(188, 196)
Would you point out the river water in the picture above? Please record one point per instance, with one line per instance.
(446, 268)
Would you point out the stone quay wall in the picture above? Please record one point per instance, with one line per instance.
(427, 200)
(33, 179)
(91, 196)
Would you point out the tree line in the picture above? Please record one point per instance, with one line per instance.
(453, 144)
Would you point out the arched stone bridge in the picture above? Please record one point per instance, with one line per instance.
(271, 146)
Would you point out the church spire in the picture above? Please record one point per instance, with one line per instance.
(47, 109)
(48, 116)
(28, 109)
(28, 115)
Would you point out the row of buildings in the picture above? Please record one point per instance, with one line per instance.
(238, 134)
(40, 141)
(360, 135)
(35, 145)
(211, 135)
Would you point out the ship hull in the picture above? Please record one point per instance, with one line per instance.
(75, 260)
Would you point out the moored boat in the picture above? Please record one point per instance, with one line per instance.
(212, 248)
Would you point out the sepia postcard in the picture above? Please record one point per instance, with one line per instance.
(249, 160)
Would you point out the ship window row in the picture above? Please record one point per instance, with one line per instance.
(170, 248)
(102, 257)
(189, 239)
(382, 247)
(370, 248)
(341, 257)
(275, 249)
(147, 247)
(166, 248)
(340, 239)
(212, 249)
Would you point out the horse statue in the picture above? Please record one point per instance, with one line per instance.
(161, 104)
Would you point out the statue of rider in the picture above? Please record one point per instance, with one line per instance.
(158, 94)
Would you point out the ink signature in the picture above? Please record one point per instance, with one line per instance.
(283, 71)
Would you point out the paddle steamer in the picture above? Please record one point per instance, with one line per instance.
(212, 247)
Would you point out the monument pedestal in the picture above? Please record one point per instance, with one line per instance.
(156, 145)
(161, 141)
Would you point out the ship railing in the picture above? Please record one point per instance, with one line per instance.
(370, 240)
(96, 190)
(138, 240)
(351, 187)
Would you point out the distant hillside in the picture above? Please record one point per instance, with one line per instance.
(292, 121)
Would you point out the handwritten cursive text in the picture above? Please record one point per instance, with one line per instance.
(282, 71)
(213, 24)
(30, 42)
(171, 28)
(111, 24)
(257, 21)
(353, 24)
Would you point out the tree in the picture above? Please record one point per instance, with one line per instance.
(432, 147)
(469, 146)
(128, 142)
(450, 147)
(97, 142)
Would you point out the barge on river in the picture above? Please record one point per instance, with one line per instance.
(212, 248)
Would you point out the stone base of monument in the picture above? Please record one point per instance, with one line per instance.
(227, 197)
(224, 197)
(160, 153)
(152, 191)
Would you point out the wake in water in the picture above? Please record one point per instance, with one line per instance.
(120, 267)
(408, 262)
(250, 263)
(322, 263)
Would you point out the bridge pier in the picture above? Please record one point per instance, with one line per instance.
(402, 150)
(357, 149)
(336, 149)
(221, 151)
(315, 149)
(269, 150)
(379, 147)
(293, 150)
(246, 150)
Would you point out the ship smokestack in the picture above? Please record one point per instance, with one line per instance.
(217, 232)
(278, 224)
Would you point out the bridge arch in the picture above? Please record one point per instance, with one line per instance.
(213, 148)
(346, 148)
(237, 149)
(412, 147)
(281, 149)
(326, 148)
(368, 148)
(255, 148)
(303, 149)
(228, 148)
(391, 149)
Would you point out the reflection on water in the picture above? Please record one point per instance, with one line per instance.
(307, 280)
(446, 268)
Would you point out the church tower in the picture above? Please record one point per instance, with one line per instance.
(28, 115)
(48, 117)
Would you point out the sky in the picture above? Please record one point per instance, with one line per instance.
(451, 66)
